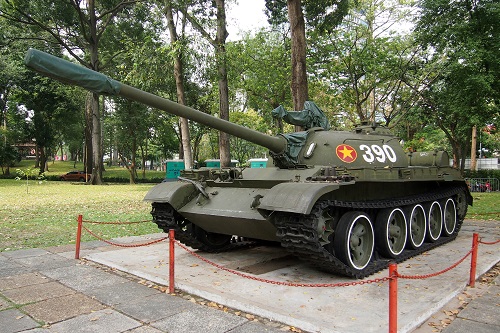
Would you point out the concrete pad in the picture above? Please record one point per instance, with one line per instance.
(156, 307)
(22, 280)
(103, 321)
(359, 308)
(56, 309)
(37, 292)
(13, 320)
(125, 292)
(199, 319)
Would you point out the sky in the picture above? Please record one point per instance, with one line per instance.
(245, 15)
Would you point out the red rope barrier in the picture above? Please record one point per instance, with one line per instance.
(116, 222)
(123, 245)
(281, 283)
(489, 243)
(415, 277)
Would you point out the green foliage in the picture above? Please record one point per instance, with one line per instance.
(483, 173)
(28, 174)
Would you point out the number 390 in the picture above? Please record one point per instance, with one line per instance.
(379, 153)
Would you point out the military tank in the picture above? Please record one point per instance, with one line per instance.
(347, 202)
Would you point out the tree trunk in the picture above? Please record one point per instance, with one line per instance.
(179, 83)
(96, 119)
(298, 85)
(473, 160)
(220, 55)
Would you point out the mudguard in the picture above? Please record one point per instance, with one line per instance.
(295, 197)
(176, 194)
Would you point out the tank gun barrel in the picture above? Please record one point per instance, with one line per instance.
(70, 73)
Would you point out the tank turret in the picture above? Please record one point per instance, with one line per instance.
(347, 202)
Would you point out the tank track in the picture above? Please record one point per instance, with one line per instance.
(167, 218)
(299, 236)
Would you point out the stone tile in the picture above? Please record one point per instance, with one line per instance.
(103, 321)
(37, 292)
(145, 329)
(84, 278)
(460, 325)
(153, 308)
(22, 280)
(9, 268)
(46, 262)
(200, 319)
(483, 312)
(125, 292)
(5, 304)
(61, 308)
(61, 248)
(252, 327)
(25, 253)
(13, 320)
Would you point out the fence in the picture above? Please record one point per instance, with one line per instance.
(483, 184)
(392, 278)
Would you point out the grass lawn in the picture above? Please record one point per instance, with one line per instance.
(42, 215)
(46, 214)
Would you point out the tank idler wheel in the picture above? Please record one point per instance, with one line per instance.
(434, 221)
(449, 217)
(417, 226)
(354, 240)
(390, 232)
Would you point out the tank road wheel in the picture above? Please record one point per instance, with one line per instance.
(390, 232)
(354, 240)
(417, 226)
(434, 221)
(449, 217)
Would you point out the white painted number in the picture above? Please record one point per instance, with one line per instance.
(376, 152)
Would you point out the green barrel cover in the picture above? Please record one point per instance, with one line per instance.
(67, 72)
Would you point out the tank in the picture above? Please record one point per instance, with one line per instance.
(346, 202)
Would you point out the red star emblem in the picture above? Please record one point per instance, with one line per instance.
(346, 153)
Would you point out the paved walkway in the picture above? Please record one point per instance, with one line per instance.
(46, 290)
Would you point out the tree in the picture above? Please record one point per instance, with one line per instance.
(322, 15)
(259, 72)
(80, 28)
(367, 63)
(465, 41)
(178, 48)
(202, 10)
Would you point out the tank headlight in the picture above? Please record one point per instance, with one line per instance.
(310, 150)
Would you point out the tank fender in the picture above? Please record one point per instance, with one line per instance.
(295, 197)
(176, 194)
